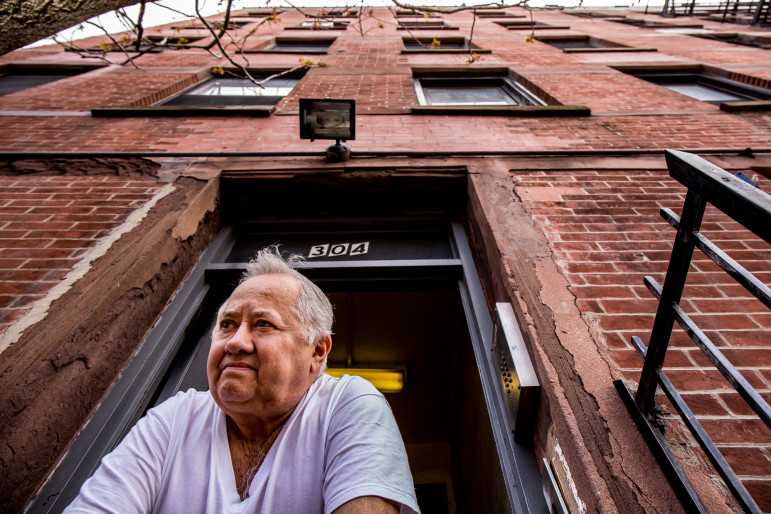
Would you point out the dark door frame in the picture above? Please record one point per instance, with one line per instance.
(146, 378)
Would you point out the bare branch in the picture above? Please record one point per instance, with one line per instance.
(129, 59)
(139, 26)
(450, 10)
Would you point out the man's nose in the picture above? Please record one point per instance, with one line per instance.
(241, 341)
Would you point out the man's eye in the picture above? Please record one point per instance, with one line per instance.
(263, 323)
(225, 324)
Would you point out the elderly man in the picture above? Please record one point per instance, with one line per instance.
(273, 433)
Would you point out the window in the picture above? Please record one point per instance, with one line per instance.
(233, 24)
(402, 13)
(13, 79)
(653, 24)
(498, 14)
(307, 45)
(440, 44)
(703, 86)
(321, 24)
(423, 24)
(583, 43)
(734, 38)
(347, 13)
(473, 91)
(235, 91)
(485, 91)
(529, 25)
(173, 41)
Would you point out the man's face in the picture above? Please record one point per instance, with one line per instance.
(259, 363)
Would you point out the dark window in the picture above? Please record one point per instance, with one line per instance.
(751, 40)
(706, 87)
(401, 13)
(498, 14)
(235, 91)
(172, 41)
(289, 45)
(439, 44)
(19, 79)
(347, 13)
(529, 25)
(583, 43)
(232, 24)
(422, 25)
(471, 91)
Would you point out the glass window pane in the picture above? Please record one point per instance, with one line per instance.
(13, 82)
(244, 87)
(704, 93)
(467, 95)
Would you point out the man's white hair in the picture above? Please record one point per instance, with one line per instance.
(313, 307)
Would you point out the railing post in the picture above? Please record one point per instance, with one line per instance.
(677, 272)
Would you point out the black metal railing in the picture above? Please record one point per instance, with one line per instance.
(755, 11)
(751, 207)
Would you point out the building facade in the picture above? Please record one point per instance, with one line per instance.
(502, 194)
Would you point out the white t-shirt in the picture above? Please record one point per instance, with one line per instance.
(341, 442)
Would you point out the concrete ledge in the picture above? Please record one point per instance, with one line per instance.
(607, 50)
(176, 110)
(749, 105)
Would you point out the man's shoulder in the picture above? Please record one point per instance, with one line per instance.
(348, 386)
(190, 401)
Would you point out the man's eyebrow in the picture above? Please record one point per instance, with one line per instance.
(228, 314)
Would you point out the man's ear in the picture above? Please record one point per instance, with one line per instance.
(321, 350)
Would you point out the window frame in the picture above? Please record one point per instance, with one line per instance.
(513, 89)
(336, 25)
(602, 45)
(274, 45)
(715, 78)
(161, 108)
(528, 25)
(542, 104)
(14, 68)
(469, 46)
(422, 24)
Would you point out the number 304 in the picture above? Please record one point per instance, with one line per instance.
(338, 249)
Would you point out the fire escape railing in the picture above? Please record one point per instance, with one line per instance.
(758, 9)
(751, 207)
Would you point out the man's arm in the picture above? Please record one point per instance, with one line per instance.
(368, 504)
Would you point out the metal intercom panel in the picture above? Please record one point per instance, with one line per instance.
(520, 384)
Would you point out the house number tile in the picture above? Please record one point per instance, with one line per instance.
(338, 250)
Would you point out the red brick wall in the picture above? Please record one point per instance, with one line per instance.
(607, 234)
(46, 225)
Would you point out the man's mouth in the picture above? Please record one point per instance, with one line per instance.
(237, 365)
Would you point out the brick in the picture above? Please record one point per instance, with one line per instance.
(760, 490)
(621, 306)
(748, 460)
(36, 253)
(600, 292)
(705, 405)
(737, 405)
(626, 322)
(745, 337)
(727, 431)
(11, 315)
(724, 321)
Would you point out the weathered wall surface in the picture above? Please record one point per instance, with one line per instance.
(84, 281)
(606, 234)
